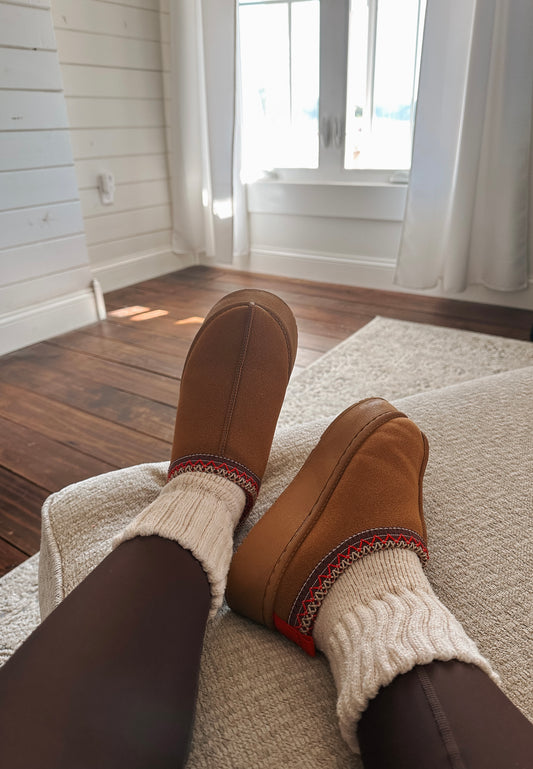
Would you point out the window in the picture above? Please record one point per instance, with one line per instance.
(280, 54)
(329, 88)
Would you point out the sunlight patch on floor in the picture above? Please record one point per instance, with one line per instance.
(189, 321)
(126, 312)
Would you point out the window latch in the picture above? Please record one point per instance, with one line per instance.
(331, 132)
(325, 131)
(337, 132)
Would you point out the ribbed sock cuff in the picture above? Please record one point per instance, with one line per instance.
(200, 512)
(379, 620)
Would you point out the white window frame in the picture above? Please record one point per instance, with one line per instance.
(334, 25)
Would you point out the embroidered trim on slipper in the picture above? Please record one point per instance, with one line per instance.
(309, 600)
(304, 641)
(226, 468)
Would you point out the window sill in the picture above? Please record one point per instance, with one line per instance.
(376, 199)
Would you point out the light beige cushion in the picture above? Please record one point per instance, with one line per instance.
(263, 703)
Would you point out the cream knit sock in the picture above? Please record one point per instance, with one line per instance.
(200, 512)
(380, 619)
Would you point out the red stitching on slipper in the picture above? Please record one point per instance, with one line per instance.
(300, 626)
(248, 483)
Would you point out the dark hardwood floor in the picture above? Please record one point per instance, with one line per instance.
(103, 397)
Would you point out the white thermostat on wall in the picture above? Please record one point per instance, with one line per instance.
(106, 188)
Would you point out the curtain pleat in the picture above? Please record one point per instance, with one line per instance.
(468, 213)
(208, 200)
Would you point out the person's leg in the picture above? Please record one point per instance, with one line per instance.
(109, 679)
(445, 715)
(403, 666)
(337, 564)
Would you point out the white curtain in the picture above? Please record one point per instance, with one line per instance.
(469, 207)
(208, 200)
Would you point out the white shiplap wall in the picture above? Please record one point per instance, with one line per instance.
(112, 59)
(45, 280)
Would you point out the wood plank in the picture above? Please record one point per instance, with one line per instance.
(166, 326)
(199, 275)
(125, 169)
(128, 197)
(80, 48)
(119, 113)
(105, 142)
(149, 5)
(20, 512)
(39, 187)
(25, 110)
(165, 35)
(111, 82)
(174, 293)
(208, 288)
(419, 308)
(9, 557)
(147, 384)
(159, 290)
(31, 3)
(138, 334)
(333, 295)
(126, 330)
(106, 18)
(203, 291)
(26, 27)
(313, 335)
(40, 223)
(34, 149)
(120, 353)
(165, 56)
(58, 383)
(112, 250)
(23, 294)
(484, 318)
(180, 301)
(43, 461)
(305, 296)
(311, 319)
(116, 226)
(35, 70)
(90, 435)
(26, 262)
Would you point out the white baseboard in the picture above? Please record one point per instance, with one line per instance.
(323, 268)
(134, 269)
(47, 319)
(361, 271)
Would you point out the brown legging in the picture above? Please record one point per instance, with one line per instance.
(445, 715)
(109, 680)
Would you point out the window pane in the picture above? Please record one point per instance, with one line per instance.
(280, 84)
(394, 80)
(358, 118)
(305, 78)
(381, 136)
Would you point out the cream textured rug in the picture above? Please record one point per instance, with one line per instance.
(393, 359)
(485, 494)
